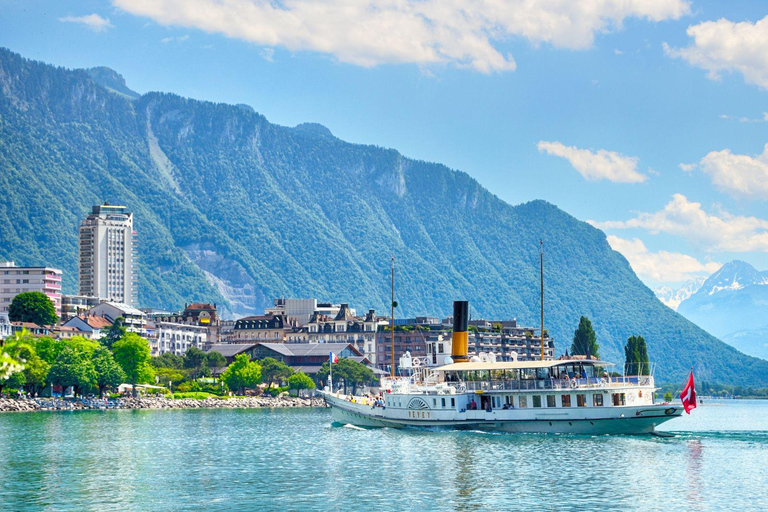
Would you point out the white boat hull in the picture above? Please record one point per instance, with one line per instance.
(635, 420)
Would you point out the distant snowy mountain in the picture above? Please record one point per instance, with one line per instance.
(673, 298)
(732, 304)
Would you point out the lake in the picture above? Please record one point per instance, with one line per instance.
(293, 459)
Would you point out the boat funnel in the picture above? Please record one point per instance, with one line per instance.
(459, 340)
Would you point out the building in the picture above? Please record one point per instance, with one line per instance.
(412, 341)
(108, 255)
(261, 328)
(15, 280)
(205, 315)
(134, 319)
(5, 326)
(299, 312)
(175, 338)
(93, 327)
(75, 305)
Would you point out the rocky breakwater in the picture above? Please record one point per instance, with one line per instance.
(219, 403)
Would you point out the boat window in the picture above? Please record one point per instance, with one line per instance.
(442, 400)
(523, 402)
(537, 400)
(434, 402)
(453, 402)
(581, 400)
(551, 401)
(566, 400)
(597, 400)
(619, 399)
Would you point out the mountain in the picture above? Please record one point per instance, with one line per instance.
(732, 304)
(673, 298)
(234, 209)
(112, 81)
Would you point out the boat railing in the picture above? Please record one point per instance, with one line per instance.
(556, 384)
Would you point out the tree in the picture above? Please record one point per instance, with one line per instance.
(215, 360)
(636, 356)
(193, 358)
(109, 374)
(73, 368)
(168, 360)
(133, 355)
(273, 370)
(33, 307)
(299, 381)
(32, 370)
(584, 339)
(241, 374)
(351, 372)
(116, 332)
(48, 348)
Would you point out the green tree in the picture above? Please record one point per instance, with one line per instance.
(48, 348)
(584, 339)
(667, 396)
(351, 372)
(299, 381)
(215, 360)
(133, 355)
(73, 368)
(168, 360)
(33, 307)
(241, 374)
(273, 370)
(109, 374)
(116, 332)
(636, 356)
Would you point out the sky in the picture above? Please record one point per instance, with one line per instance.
(646, 118)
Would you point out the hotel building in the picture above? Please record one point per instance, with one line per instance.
(15, 280)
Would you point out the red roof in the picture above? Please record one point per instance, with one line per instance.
(97, 322)
(200, 306)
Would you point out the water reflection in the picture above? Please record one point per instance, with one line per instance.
(694, 455)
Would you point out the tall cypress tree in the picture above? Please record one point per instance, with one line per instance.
(584, 339)
(636, 356)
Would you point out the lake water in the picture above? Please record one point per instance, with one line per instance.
(295, 460)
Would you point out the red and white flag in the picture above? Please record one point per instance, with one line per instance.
(334, 358)
(688, 396)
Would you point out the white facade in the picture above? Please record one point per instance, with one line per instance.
(108, 255)
(175, 338)
(134, 320)
(15, 280)
(5, 326)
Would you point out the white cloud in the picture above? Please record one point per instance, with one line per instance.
(602, 165)
(687, 167)
(179, 39)
(724, 45)
(687, 219)
(739, 175)
(660, 266)
(92, 21)
(268, 54)
(423, 32)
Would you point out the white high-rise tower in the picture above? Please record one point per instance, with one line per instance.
(108, 255)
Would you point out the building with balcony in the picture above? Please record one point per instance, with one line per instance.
(175, 338)
(15, 280)
(108, 255)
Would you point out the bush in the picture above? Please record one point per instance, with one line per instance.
(197, 395)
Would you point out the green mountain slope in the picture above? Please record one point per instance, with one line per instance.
(233, 209)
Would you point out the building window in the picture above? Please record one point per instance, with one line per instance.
(566, 401)
(581, 400)
(597, 400)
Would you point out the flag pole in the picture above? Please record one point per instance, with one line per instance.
(330, 371)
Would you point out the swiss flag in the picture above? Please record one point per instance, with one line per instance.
(688, 396)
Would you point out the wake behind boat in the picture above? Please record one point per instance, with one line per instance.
(575, 395)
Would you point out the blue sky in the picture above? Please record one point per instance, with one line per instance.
(647, 117)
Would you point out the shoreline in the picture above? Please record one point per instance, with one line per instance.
(260, 402)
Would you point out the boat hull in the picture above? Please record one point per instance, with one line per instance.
(626, 420)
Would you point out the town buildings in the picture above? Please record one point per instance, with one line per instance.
(108, 255)
(75, 305)
(134, 319)
(5, 326)
(175, 338)
(15, 280)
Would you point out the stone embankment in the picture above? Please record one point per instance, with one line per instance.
(13, 405)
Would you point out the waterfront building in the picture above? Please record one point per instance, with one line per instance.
(15, 280)
(108, 255)
(175, 338)
(406, 340)
(75, 305)
(93, 327)
(32, 329)
(133, 319)
(256, 328)
(62, 332)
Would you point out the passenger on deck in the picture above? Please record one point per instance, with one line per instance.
(473, 405)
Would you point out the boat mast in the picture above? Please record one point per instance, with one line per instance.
(392, 320)
(541, 261)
